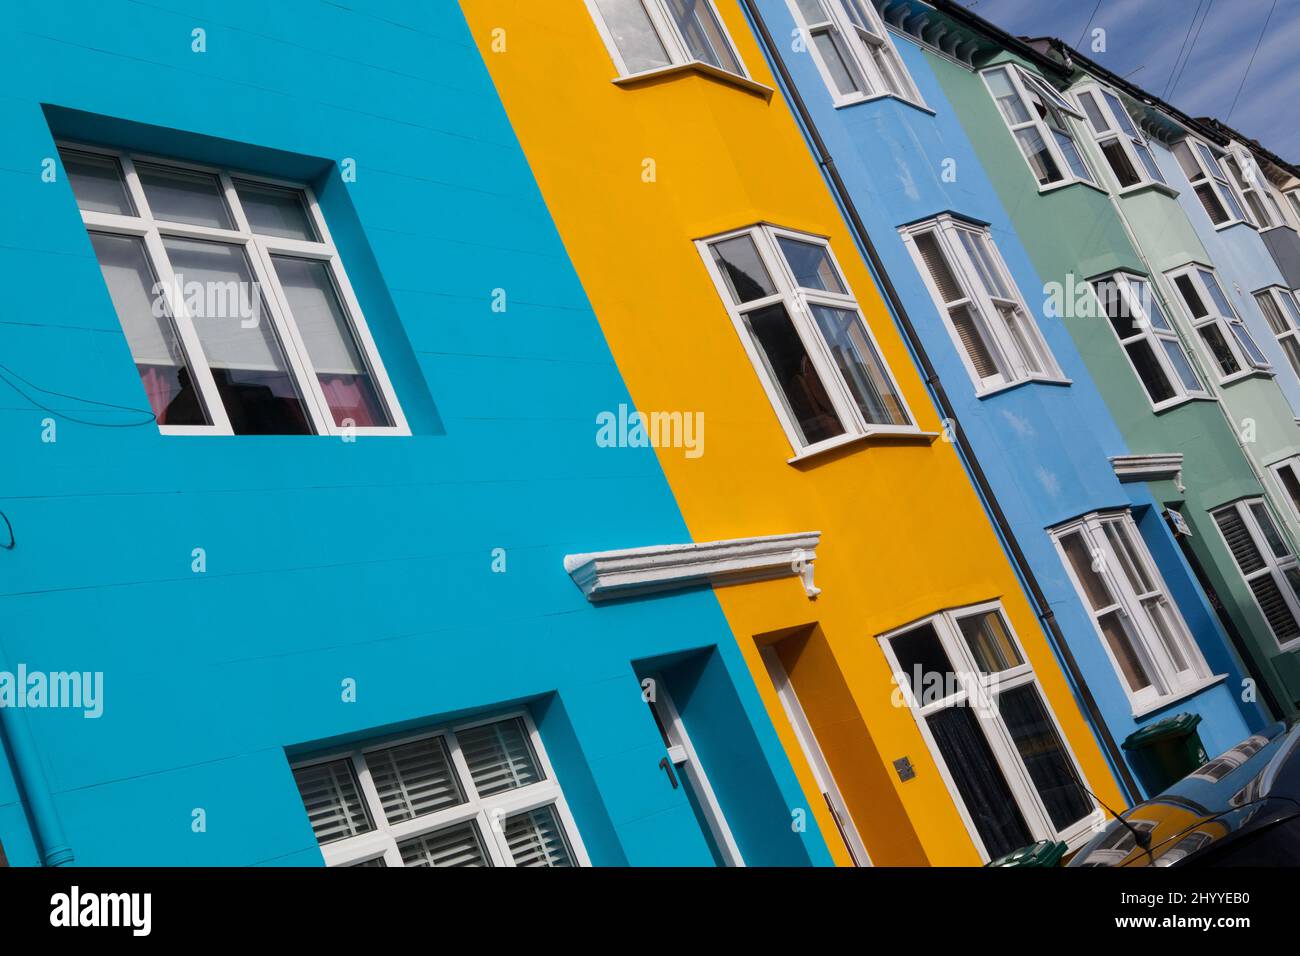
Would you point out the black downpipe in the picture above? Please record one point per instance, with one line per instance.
(1045, 613)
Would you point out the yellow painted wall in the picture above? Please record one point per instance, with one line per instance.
(903, 532)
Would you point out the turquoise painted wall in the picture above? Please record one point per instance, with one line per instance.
(328, 560)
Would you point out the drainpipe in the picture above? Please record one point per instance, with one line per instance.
(1039, 599)
(29, 778)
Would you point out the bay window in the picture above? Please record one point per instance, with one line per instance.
(1210, 182)
(1287, 474)
(985, 721)
(1125, 149)
(804, 333)
(1267, 565)
(645, 35)
(1039, 119)
(1141, 629)
(987, 318)
(1150, 342)
(480, 793)
(853, 50)
(233, 300)
(1281, 310)
(1255, 190)
(1222, 332)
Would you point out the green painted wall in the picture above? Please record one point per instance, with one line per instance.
(1073, 233)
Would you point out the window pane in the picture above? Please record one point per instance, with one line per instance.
(1117, 308)
(1121, 114)
(989, 641)
(97, 183)
(1272, 602)
(1162, 619)
(1209, 161)
(1149, 304)
(1268, 305)
(1073, 158)
(1096, 118)
(1230, 200)
(1220, 349)
(536, 838)
(1081, 560)
(331, 344)
(1114, 627)
(273, 211)
(1186, 160)
(1008, 100)
(811, 265)
(155, 347)
(1044, 755)
(500, 756)
(936, 263)
(242, 350)
(979, 780)
(704, 36)
(1287, 475)
(1181, 364)
(1150, 371)
(977, 249)
(812, 11)
(974, 340)
(1149, 161)
(1025, 337)
(1292, 349)
(1240, 542)
(634, 35)
(1193, 298)
(1216, 294)
(179, 195)
(863, 371)
(921, 657)
(741, 266)
(791, 370)
(1213, 206)
(1264, 522)
(1124, 172)
(333, 800)
(843, 70)
(414, 779)
(455, 846)
(1040, 159)
(1248, 345)
(1130, 556)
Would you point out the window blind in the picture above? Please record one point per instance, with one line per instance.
(333, 800)
(454, 846)
(414, 779)
(499, 756)
(535, 839)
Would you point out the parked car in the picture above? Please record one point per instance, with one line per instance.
(1240, 809)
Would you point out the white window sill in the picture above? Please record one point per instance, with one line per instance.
(1173, 403)
(1181, 694)
(1236, 377)
(834, 444)
(696, 68)
(1234, 222)
(1079, 833)
(1021, 382)
(845, 102)
(1149, 187)
(1067, 183)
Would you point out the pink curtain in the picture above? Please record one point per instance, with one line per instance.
(350, 396)
(161, 388)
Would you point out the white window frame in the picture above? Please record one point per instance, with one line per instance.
(1115, 117)
(670, 36)
(1288, 467)
(1029, 87)
(1293, 198)
(870, 51)
(258, 250)
(686, 763)
(986, 305)
(1135, 610)
(797, 300)
(986, 687)
(1211, 176)
(1230, 327)
(1260, 203)
(812, 751)
(1158, 339)
(1274, 565)
(488, 814)
(1283, 318)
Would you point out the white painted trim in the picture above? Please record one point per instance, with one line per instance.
(1154, 467)
(633, 571)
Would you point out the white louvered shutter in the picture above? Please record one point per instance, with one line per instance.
(333, 800)
(454, 846)
(499, 756)
(414, 779)
(536, 838)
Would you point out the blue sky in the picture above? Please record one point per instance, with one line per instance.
(1143, 42)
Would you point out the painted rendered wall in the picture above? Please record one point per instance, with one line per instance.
(903, 533)
(328, 560)
(1045, 447)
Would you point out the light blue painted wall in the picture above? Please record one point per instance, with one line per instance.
(328, 560)
(1044, 448)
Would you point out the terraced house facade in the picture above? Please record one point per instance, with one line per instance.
(624, 433)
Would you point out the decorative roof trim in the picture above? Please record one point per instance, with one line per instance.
(1157, 467)
(603, 575)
